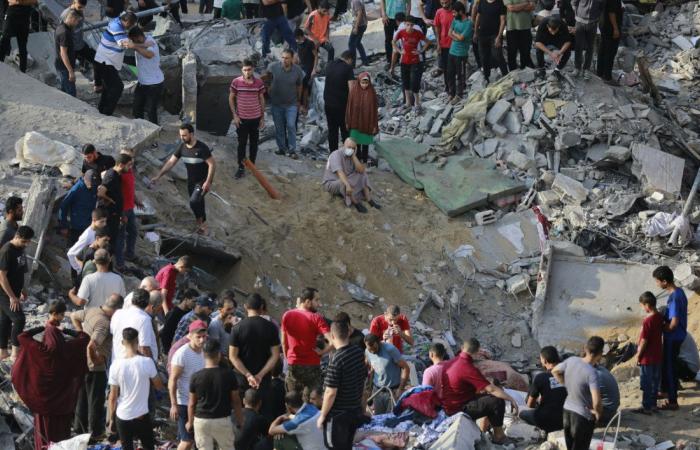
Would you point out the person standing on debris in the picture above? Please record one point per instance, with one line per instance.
(230, 9)
(285, 101)
(13, 267)
(413, 47)
(610, 35)
(213, 397)
(441, 25)
(675, 330)
(389, 371)
(188, 360)
(14, 212)
(649, 353)
(150, 86)
(339, 75)
(341, 413)
(346, 177)
(251, 9)
(546, 396)
(90, 410)
(361, 115)
(130, 382)
(246, 99)
(254, 350)
(356, 336)
(172, 318)
(275, 20)
(393, 327)
(432, 376)
(97, 287)
(519, 32)
(461, 32)
(301, 328)
(554, 40)
(203, 307)
(583, 406)
(87, 237)
(125, 247)
(307, 57)
(167, 280)
(388, 10)
(16, 24)
(110, 196)
(77, 205)
(65, 51)
(83, 52)
(317, 27)
(94, 160)
(489, 25)
(359, 26)
(200, 166)
(136, 317)
(109, 59)
(588, 14)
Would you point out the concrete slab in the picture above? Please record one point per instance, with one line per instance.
(372, 40)
(462, 184)
(657, 170)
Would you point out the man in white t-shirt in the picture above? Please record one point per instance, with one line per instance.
(130, 379)
(139, 318)
(150, 85)
(97, 287)
(187, 360)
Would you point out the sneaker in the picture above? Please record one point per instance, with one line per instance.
(374, 204)
(280, 152)
(360, 208)
(417, 110)
(239, 173)
(586, 75)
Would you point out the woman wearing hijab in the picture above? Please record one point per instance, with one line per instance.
(361, 114)
(47, 376)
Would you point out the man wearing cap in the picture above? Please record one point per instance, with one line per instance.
(186, 361)
(77, 205)
(203, 308)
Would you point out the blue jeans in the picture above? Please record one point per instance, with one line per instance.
(649, 383)
(66, 86)
(277, 23)
(285, 118)
(127, 235)
(355, 45)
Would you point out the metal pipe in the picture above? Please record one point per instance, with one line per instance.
(145, 13)
(686, 208)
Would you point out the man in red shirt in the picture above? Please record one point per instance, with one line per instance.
(464, 388)
(167, 278)
(247, 102)
(129, 228)
(411, 44)
(442, 24)
(650, 353)
(300, 330)
(392, 327)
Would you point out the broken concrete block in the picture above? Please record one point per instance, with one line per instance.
(617, 153)
(566, 248)
(437, 126)
(485, 217)
(526, 75)
(550, 109)
(668, 85)
(528, 110)
(425, 123)
(487, 148)
(520, 161)
(497, 112)
(499, 129)
(517, 283)
(685, 275)
(512, 122)
(567, 139)
(547, 198)
(682, 42)
(569, 190)
(657, 170)
(627, 112)
(516, 340)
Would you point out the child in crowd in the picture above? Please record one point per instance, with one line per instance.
(460, 33)
(413, 46)
(253, 433)
(307, 58)
(650, 353)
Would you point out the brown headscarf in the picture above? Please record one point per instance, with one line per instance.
(361, 112)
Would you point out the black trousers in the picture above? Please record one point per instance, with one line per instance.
(607, 50)
(140, 429)
(519, 42)
(475, 52)
(363, 153)
(248, 131)
(112, 88)
(456, 75)
(87, 55)
(389, 30)
(251, 10)
(114, 221)
(443, 61)
(583, 42)
(491, 56)
(147, 98)
(341, 7)
(339, 429)
(539, 54)
(486, 406)
(336, 122)
(547, 421)
(578, 431)
(411, 76)
(90, 409)
(11, 323)
(197, 205)
(16, 25)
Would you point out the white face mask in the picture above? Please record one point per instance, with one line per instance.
(348, 151)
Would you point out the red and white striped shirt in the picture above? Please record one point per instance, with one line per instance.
(248, 97)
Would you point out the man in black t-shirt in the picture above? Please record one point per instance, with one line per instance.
(610, 33)
(213, 395)
(200, 166)
(109, 196)
(254, 350)
(65, 51)
(356, 337)
(341, 413)
(553, 39)
(489, 26)
(335, 97)
(14, 212)
(13, 266)
(94, 160)
(546, 396)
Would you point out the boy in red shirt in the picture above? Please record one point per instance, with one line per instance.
(413, 45)
(442, 24)
(649, 353)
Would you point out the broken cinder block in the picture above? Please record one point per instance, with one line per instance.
(569, 190)
(497, 111)
(485, 217)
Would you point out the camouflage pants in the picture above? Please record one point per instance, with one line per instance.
(300, 377)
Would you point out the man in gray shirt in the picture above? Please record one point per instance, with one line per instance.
(583, 406)
(14, 213)
(587, 14)
(285, 101)
(389, 371)
(82, 51)
(609, 394)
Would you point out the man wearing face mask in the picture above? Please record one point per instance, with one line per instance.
(346, 176)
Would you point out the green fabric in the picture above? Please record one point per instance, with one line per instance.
(287, 442)
(231, 9)
(361, 138)
(518, 20)
(465, 28)
(394, 6)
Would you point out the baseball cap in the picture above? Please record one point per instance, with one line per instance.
(197, 325)
(204, 300)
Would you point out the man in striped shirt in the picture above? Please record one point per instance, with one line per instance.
(109, 59)
(247, 102)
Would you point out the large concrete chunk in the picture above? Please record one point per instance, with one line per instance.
(497, 112)
(27, 104)
(569, 190)
(657, 170)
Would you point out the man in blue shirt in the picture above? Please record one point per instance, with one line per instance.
(675, 324)
(75, 212)
(299, 424)
(389, 371)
